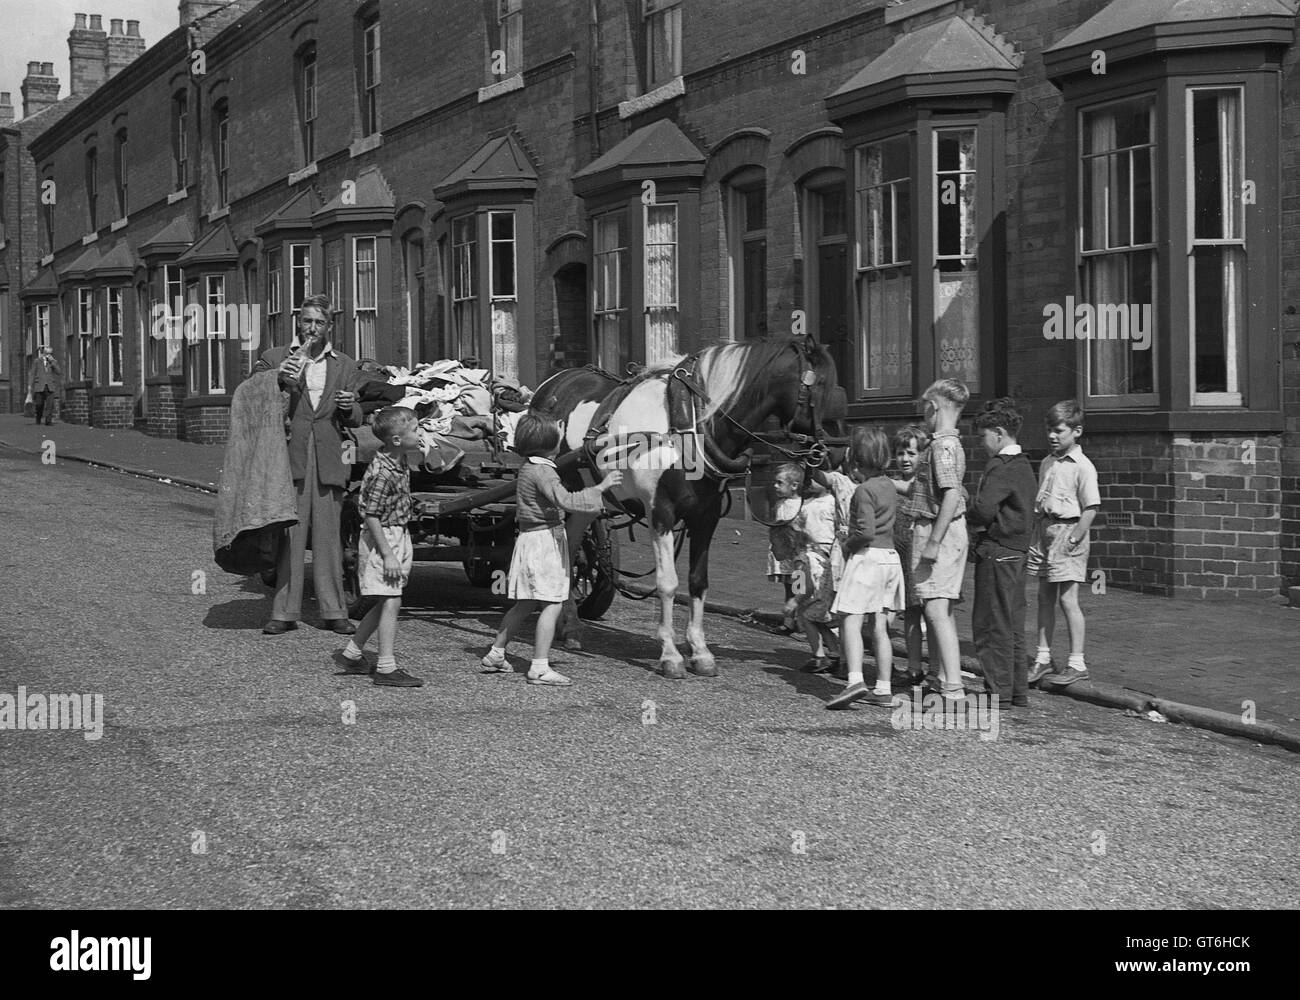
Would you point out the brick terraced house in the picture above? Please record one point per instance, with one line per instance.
(1043, 198)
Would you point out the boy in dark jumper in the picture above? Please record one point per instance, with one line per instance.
(1002, 515)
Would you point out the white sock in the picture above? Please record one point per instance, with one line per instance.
(352, 651)
(1044, 655)
(496, 654)
(386, 665)
(1076, 662)
(538, 667)
(855, 677)
(883, 687)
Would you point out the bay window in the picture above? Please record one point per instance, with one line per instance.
(884, 267)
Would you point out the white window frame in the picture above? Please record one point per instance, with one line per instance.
(92, 187)
(274, 293)
(41, 317)
(181, 103)
(890, 262)
(510, 32)
(115, 304)
(223, 156)
(194, 342)
(295, 300)
(214, 322)
(370, 312)
(464, 285)
(85, 334)
(370, 69)
(1130, 399)
(176, 324)
(673, 302)
(615, 305)
(655, 13)
(308, 72)
(1234, 348)
(938, 128)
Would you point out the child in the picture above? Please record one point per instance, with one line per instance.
(873, 576)
(909, 444)
(824, 521)
(1068, 499)
(937, 506)
(783, 538)
(539, 568)
(1002, 514)
(384, 552)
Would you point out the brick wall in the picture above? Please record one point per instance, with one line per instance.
(166, 417)
(207, 424)
(113, 411)
(76, 406)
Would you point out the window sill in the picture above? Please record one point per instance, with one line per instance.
(176, 196)
(660, 95)
(366, 144)
(113, 389)
(89, 238)
(1196, 421)
(501, 87)
(311, 170)
(218, 213)
(119, 224)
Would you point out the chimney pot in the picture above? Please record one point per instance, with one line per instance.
(115, 26)
(79, 21)
(133, 29)
(96, 22)
(33, 69)
(47, 69)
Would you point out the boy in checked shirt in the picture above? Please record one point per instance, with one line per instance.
(1068, 500)
(384, 555)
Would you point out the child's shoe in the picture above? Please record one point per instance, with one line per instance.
(397, 678)
(495, 662)
(1037, 671)
(1067, 677)
(880, 700)
(360, 666)
(552, 678)
(820, 664)
(848, 696)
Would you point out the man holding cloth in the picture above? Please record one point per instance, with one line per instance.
(318, 380)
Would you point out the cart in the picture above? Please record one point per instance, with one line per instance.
(467, 515)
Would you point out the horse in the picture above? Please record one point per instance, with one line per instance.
(680, 433)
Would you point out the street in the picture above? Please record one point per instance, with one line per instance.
(241, 770)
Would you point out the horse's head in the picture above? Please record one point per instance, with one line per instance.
(806, 393)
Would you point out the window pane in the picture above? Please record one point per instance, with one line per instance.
(956, 321)
(505, 341)
(366, 284)
(955, 215)
(833, 221)
(1143, 202)
(1218, 298)
(1119, 288)
(1216, 156)
(885, 311)
(502, 227)
(755, 217)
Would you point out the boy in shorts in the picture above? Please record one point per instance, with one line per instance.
(936, 505)
(384, 554)
(1068, 500)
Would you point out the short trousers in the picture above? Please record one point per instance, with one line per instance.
(943, 577)
(872, 582)
(539, 568)
(370, 562)
(1050, 554)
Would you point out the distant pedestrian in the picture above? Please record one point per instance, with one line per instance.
(783, 539)
(1002, 514)
(539, 567)
(937, 506)
(1067, 502)
(872, 584)
(909, 444)
(384, 552)
(45, 385)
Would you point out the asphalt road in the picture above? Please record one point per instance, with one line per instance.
(226, 775)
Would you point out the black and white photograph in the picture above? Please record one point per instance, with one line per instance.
(652, 455)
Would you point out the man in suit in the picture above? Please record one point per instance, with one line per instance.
(321, 402)
(45, 384)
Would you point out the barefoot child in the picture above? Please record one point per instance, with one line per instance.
(783, 538)
(873, 576)
(909, 444)
(1068, 500)
(384, 552)
(937, 505)
(539, 568)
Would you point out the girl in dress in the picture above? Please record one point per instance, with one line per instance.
(872, 585)
(909, 443)
(539, 567)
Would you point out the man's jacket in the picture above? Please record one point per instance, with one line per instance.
(46, 376)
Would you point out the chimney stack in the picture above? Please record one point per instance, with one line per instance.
(87, 54)
(40, 88)
(192, 10)
(6, 110)
(122, 48)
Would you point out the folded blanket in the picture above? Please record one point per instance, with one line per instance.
(256, 499)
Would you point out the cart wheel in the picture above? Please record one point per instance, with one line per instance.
(593, 575)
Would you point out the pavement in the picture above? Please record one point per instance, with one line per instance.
(1230, 667)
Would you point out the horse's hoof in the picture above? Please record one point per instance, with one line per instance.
(704, 666)
(672, 669)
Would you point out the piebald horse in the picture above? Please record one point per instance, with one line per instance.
(724, 395)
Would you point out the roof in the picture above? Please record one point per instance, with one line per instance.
(216, 246)
(498, 164)
(370, 199)
(44, 285)
(83, 265)
(1133, 28)
(174, 238)
(956, 55)
(658, 150)
(295, 213)
(119, 262)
